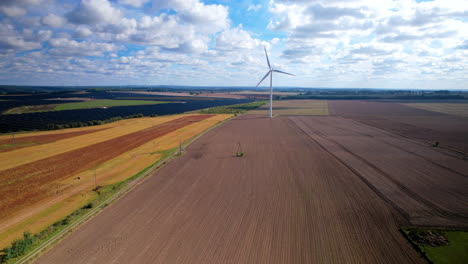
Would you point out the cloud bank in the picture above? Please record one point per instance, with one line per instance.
(353, 43)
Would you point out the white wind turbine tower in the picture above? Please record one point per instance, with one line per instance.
(270, 72)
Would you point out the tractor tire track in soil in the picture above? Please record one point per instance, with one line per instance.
(25, 184)
(362, 177)
(412, 140)
(392, 135)
(428, 126)
(286, 201)
(459, 218)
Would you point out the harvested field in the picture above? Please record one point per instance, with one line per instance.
(21, 142)
(449, 131)
(84, 99)
(446, 108)
(24, 185)
(294, 107)
(288, 200)
(65, 174)
(263, 93)
(216, 95)
(428, 186)
(30, 109)
(34, 153)
(371, 108)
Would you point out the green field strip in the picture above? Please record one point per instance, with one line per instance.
(79, 105)
(104, 103)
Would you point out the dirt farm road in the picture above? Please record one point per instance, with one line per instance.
(287, 201)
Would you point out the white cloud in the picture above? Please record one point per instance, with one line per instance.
(235, 39)
(53, 20)
(92, 12)
(17, 43)
(134, 3)
(12, 11)
(83, 32)
(14, 8)
(382, 39)
(210, 18)
(66, 47)
(327, 42)
(254, 8)
(44, 35)
(12, 40)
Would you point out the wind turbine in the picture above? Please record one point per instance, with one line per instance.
(270, 72)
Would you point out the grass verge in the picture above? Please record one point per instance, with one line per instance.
(439, 245)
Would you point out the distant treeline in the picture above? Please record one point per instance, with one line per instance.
(18, 89)
(370, 97)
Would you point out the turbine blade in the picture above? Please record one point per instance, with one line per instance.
(268, 61)
(266, 75)
(283, 72)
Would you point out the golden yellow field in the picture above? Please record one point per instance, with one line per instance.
(446, 108)
(294, 107)
(58, 193)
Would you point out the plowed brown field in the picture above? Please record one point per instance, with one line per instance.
(449, 130)
(427, 185)
(290, 199)
(26, 184)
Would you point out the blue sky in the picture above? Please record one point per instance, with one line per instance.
(339, 43)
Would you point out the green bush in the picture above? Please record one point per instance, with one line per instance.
(88, 206)
(18, 247)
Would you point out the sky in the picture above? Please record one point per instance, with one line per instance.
(402, 44)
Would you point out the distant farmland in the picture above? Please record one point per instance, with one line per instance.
(83, 117)
(447, 108)
(296, 107)
(430, 126)
(79, 105)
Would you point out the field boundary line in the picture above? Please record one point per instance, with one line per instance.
(48, 244)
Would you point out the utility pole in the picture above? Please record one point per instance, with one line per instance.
(180, 147)
(95, 182)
